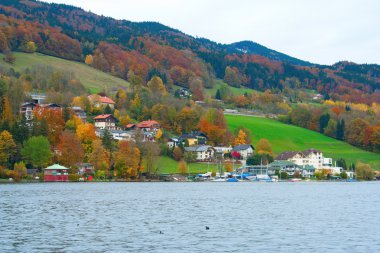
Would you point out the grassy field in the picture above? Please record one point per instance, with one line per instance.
(291, 138)
(92, 79)
(167, 165)
(235, 91)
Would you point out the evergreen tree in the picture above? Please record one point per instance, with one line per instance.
(20, 131)
(107, 140)
(66, 114)
(108, 110)
(218, 95)
(340, 129)
(323, 121)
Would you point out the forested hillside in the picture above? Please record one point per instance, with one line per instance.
(146, 49)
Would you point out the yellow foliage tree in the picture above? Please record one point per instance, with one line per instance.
(89, 59)
(127, 160)
(157, 86)
(264, 147)
(182, 167)
(158, 134)
(7, 147)
(241, 138)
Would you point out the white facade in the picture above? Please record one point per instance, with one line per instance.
(309, 157)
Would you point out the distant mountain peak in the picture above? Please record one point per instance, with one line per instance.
(250, 47)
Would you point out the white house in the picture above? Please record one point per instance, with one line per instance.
(173, 142)
(245, 150)
(202, 152)
(311, 157)
(105, 121)
(223, 150)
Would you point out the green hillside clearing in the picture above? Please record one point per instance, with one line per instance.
(285, 137)
(235, 91)
(91, 78)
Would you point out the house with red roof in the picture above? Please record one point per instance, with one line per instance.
(101, 101)
(149, 126)
(105, 121)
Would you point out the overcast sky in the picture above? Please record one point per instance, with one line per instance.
(320, 31)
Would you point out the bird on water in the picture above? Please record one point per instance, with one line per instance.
(207, 228)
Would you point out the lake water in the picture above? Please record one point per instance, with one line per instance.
(242, 217)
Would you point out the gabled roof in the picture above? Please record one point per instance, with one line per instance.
(287, 155)
(147, 124)
(290, 154)
(56, 167)
(242, 147)
(102, 99)
(192, 135)
(104, 116)
(200, 148)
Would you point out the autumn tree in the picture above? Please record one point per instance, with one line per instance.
(355, 132)
(241, 138)
(156, 86)
(36, 151)
(54, 120)
(177, 153)
(364, 172)
(89, 60)
(19, 171)
(127, 160)
(71, 149)
(182, 167)
(264, 147)
(187, 119)
(149, 151)
(86, 134)
(99, 157)
(7, 148)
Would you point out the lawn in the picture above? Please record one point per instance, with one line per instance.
(94, 80)
(166, 165)
(285, 137)
(235, 91)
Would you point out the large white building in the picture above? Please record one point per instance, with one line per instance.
(202, 152)
(310, 157)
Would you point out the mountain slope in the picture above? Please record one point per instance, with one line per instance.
(91, 78)
(250, 47)
(144, 49)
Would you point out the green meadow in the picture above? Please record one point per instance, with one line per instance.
(285, 137)
(93, 79)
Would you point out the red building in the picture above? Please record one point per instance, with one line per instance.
(56, 173)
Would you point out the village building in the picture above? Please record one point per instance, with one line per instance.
(105, 121)
(119, 135)
(56, 173)
(101, 101)
(80, 113)
(173, 142)
(223, 150)
(27, 110)
(245, 150)
(38, 98)
(202, 153)
(193, 138)
(85, 168)
(312, 157)
(149, 126)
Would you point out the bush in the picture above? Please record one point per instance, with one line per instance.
(284, 175)
(364, 172)
(74, 177)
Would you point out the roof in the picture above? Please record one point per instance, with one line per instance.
(131, 125)
(242, 147)
(286, 155)
(290, 154)
(102, 99)
(311, 150)
(192, 135)
(104, 116)
(147, 124)
(200, 148)
(56, 167)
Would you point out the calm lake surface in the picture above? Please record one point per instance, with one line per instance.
(242, 217)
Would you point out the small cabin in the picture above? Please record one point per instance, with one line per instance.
(56, 173)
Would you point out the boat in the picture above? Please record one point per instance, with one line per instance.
(232, 180)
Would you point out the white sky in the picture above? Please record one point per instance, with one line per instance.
(320, 31)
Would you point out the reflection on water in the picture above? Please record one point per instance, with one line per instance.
(243, 217)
